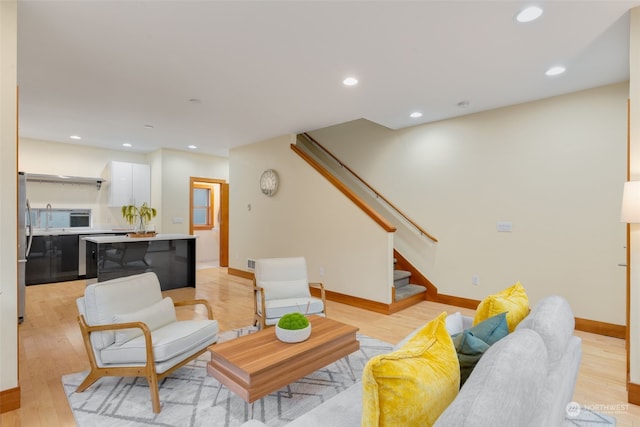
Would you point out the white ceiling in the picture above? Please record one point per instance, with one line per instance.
(259, 69)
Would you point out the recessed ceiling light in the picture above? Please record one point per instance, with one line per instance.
(529, 14)
(193, 147)
(350, 81)
(75, 137)
(126, 144)
(415, 114)
(555, 71)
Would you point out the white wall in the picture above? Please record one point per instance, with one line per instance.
(554, 168)
(208, 247)
(306, 217)
(46, 157)
(8, 185)
(177, 168)
(170, 172)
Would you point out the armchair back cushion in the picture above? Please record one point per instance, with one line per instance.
(282, 277)
(104, 300)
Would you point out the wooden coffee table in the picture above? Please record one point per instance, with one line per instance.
(255, 365)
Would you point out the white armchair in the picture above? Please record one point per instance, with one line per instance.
(280, 286)
(130, 330)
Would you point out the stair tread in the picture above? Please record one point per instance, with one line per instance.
(408, 291)
(401, 274)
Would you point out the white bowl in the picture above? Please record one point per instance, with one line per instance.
(293, 335)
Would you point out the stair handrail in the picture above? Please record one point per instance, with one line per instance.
(422, 231)
(344, 189)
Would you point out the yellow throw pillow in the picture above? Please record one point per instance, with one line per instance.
(413, 385)
(513, 301)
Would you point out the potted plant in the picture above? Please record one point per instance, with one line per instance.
(143, 214)
(293, 327)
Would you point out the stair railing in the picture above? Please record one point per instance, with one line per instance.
(379, 196)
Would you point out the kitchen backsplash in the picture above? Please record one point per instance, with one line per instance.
(44, 218)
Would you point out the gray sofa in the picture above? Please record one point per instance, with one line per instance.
(525, 379)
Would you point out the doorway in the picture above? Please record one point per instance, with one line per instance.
(209, 220)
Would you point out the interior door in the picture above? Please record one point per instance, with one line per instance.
(222, 219)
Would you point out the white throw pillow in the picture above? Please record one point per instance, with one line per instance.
(155, 316)
(454, 323)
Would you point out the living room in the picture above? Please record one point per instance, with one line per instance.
(328, 209)
(565, 162)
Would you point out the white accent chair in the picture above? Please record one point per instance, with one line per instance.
(130, 330)
(280, 286)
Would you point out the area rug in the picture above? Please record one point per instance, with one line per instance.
(187, 396)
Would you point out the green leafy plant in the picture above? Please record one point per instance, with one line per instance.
(143, 213)
(293, 321)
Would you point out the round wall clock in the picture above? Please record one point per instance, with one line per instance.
(269, 182)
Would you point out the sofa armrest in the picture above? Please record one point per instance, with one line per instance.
(343, 409)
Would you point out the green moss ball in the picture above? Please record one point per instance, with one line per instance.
(293, 321)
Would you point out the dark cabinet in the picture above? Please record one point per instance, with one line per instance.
(38, 266)
(52, 259)
(68, 257)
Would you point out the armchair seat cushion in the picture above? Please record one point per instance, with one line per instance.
(168, 341)
(277, 308)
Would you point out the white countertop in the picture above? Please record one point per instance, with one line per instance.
(121, 239)
(77, 230)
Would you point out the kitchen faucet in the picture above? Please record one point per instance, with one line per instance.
(48, 217)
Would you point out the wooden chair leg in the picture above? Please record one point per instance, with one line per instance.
(155, 394)
(90, 379)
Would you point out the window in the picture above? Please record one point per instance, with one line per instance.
(202, 207)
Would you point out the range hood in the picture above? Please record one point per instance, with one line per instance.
(65, 179)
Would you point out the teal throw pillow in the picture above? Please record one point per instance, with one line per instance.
(470, 349)
(491, 329)
(471, 343)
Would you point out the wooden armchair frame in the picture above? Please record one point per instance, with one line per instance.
(148, 370)
(260, 318)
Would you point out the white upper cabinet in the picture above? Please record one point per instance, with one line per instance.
(130, 184)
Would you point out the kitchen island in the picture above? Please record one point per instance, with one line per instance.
(171, 256)
(58, 254)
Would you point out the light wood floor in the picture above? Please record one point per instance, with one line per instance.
(51, 345)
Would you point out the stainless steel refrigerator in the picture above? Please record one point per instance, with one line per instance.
(25, 236)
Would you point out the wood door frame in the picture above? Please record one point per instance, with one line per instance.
(224, 214)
